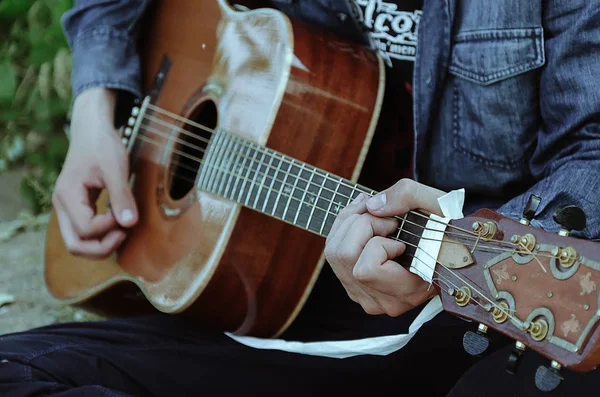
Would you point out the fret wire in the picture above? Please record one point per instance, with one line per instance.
(248, 173)
(234, 166)
(350, 198)
(312, 175)
(277, 170)
(207, 168)
(315, 203)
(283, 183)
(287, 205)
(253, 182)
(203, 167)
(228, 155)
(337, 187)
(239, 176)
(401, 226)
(262, 183)
(250, 161)
(217, 162)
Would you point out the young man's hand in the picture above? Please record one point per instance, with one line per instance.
(96, 160)
(362, 256)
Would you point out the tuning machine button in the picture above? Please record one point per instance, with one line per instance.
(531, 209)
(570, 218)
(476, 343)
(515, 358)
(548, 379)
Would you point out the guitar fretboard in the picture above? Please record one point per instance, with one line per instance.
(285, 188)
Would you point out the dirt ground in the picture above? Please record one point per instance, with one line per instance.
(24, 300)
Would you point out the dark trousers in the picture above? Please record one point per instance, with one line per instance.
(165, 356)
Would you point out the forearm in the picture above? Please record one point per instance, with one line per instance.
(103, 39)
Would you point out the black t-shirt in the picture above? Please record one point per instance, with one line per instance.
(393, 28)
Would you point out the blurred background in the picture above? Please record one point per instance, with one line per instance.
(35, 104)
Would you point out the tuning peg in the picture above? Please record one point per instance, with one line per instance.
(476, 343)
(515, 358)
(548, 379)
(570, 218)
(531, 209)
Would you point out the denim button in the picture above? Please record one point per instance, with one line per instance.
(342, 17)
(429, 78)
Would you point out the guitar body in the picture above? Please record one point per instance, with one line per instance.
(260, 76)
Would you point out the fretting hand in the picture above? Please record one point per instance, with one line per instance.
(362, 256)
(96, 160)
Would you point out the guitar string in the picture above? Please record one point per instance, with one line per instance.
(325, 211)
(200, 161)
(283, 157)
(302, 204)
(321, 187)
(266, 149)
(239, 176)
(470, 284)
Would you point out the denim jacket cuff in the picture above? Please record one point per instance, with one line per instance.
(105, 57)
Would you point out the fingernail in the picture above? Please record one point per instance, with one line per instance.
(358, 199)
(127, 216)
(376, 202)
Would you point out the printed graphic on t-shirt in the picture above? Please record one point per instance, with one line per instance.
(394, 31)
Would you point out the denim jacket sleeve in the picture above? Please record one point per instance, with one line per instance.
(102, 36)
(566, 161)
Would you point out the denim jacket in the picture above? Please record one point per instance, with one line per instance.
(506, 92)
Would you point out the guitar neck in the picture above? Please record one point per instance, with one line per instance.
(285, 188)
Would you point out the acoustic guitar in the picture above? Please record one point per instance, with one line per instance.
(249, 143)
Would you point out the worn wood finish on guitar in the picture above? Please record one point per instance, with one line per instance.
(287, 87)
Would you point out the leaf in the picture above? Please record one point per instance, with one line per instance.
(57, 147)
(62, 73)
(11, 115)
(12, 9)
(45, 35)
(8, 82)
(45, 80)
(29, 193)
(36, 159)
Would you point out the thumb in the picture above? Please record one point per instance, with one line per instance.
(121, 197)
(404, 196)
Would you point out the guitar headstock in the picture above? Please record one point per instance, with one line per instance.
(539, 288)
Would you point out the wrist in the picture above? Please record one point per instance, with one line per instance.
(98, 98)
(94, 110)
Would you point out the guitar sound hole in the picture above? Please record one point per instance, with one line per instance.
(189, 150)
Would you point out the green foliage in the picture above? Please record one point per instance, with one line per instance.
(35, 94)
